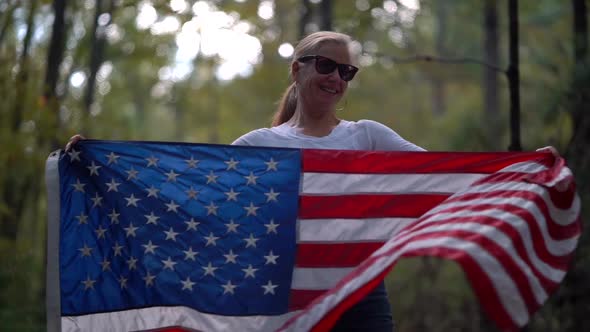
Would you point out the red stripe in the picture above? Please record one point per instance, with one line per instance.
(557, 231)
(334, 254)
(300, 298)
(386, 162)
(367, 206)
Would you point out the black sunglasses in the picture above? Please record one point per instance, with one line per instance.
(325, 66)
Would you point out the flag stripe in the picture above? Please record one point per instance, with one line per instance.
(351, 184)
(367, 206)
(350, 230)
(386, 162)
(317, 279)
(334, 254)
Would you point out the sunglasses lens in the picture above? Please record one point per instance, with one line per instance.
(325, 66)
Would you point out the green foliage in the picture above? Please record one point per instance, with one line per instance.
(137, 100)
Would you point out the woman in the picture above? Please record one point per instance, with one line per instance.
(306, 118)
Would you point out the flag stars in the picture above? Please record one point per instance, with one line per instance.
(122, 282)
(251, 209)
(171, 234)
(152, 161)
(271, 195)
(230, 257)
(271, 165)
(114, 216)
(82, 219)
(151, 218)
(149, 248)
(78, 186)
(271, 227)
(112, 158)
(171, 176)
(132, 174)
(192, 163)
(250, 272)
(229, 287)
(251, 241)
(231, 164)
(117, 249)
(132, 263)
(209, 269)
(172, 207)
(105, 264)
(100, 232)
(212, 209)
(93, 168)
(169, 264)
(149, 279)
(232, 195)
(130, 231)
(190, 254)
(191, 193)
(212, 178)
(269, 288)
(191, 224)
(187, 284)
(152, 191)
(88, 283)
(251, 179)
(112, 186)
(232, 227)
(271, 258)
(74, 155)
(96, 200)
(211, 240)
(85, 251)
(132, 201)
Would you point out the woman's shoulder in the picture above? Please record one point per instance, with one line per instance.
(367, 125)
(259, 137)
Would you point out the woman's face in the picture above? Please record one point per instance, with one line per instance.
(321, 91)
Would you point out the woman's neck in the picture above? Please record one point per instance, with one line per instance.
(315, 123)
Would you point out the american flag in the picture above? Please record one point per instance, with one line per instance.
(150, 235)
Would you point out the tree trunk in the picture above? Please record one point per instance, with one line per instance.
(23, 73)
(97, 47)
(326, 15)
(514, 77)
(55, 53)
(305, 18)
(439, 103)
(490, 78)
(7, 22)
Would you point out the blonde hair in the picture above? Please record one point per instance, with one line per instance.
(307, 46)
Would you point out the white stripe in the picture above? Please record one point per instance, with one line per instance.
(503, 284)
(333, 183)
(524, 167)
(318, 278)
(557, 248)
(158, 317)
(504, 241)
(562, 217)
(350, 230)
(53, 227)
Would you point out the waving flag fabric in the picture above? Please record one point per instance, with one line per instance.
(219, 238)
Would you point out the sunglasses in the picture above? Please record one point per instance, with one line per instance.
(326, 66)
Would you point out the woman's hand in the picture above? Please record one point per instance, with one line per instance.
(73, 140)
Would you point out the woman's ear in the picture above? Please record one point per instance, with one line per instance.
(294, 70)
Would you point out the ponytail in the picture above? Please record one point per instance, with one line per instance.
(287, 106)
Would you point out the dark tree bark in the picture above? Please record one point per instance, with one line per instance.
(7, 20)
(492, 56)
(514, 77)
(23, 73)
(326, 15)
(305, 18)
(97, 47)
(439, 103)
(56, 51)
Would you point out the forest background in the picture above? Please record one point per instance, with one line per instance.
(210, 71)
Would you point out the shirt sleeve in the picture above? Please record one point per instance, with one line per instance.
(386, 139)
